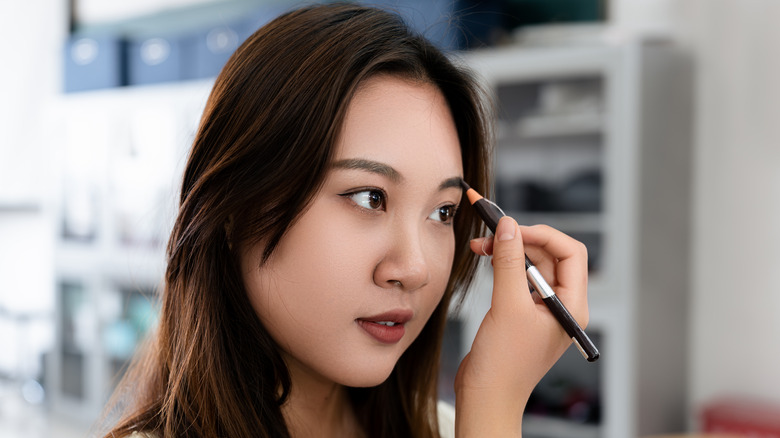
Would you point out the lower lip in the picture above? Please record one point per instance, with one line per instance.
(382, 333)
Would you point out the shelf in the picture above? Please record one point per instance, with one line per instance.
(124, 265)
(535, 426)
(519, 63)
(555, 125)
(197, 90)
(75, 259)
(568, 222)
(19, 207)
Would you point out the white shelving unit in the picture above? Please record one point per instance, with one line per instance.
(122, 155)
(621, 113)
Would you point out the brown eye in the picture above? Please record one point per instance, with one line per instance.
(444, 214)
(369, 199)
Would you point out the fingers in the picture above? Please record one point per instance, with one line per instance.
(569, 255)
(566, 269)
(510, 287)
(561, 260)
(519, 339)
(482, 245)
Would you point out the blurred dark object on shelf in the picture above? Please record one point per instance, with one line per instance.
(570, 391)
(522, 13)
(581, 192)
(595, 243)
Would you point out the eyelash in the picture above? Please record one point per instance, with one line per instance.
(379, 195)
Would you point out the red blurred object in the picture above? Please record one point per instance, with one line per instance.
(746, 417)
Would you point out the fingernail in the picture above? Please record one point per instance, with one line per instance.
(484, 242)
(506, 230)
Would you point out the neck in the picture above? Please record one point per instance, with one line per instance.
(317, 406)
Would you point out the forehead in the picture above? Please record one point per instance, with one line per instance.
(402, 123)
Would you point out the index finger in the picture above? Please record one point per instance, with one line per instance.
(571, 269)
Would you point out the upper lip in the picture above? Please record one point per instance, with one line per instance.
(399, 316)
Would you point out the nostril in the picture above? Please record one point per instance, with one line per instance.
(404, 267)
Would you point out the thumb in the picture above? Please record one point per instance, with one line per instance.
(510, 287)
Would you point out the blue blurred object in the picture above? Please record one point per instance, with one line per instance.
(119, 339)
(435, 19)
(157, 59)
(213, 47)
(94, 62)
(450, 24)
(150, 51)
(480, 23)
(258, 18)
(142, 313)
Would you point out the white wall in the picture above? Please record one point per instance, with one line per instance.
(735, 324)
(31, 35)
(30, 39)
(735, 293)
(643, 17)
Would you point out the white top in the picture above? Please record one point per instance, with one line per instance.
(446, 422)
(446, 419)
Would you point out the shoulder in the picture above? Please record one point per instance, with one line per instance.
(446, 413)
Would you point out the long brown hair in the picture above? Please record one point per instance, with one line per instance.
(260, 155)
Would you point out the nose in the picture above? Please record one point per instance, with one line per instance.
(404, 264)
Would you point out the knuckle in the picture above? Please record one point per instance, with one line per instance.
(584, 320)
(582, 249)
(542, 228)
(508, 260)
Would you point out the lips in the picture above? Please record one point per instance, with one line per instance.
(388, 327)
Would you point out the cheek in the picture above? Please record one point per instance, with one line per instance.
(257, 284)
(318, 268)
(440, 263)
(443, 255)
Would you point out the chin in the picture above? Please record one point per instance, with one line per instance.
(366, 378)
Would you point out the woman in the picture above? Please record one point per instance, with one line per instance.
(316, 249)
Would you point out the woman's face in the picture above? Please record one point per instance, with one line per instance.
(354, 280)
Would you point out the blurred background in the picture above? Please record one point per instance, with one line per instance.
(648, 129)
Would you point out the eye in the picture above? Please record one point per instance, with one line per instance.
(370, 199)
(444, 214)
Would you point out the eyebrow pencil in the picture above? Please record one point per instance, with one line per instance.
(490, 214)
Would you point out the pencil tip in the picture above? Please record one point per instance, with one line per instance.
(470, 193)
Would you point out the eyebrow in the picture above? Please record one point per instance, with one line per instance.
(450, 183)
(387, 171)
(369, 166)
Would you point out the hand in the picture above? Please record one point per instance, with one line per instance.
(519, 340)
